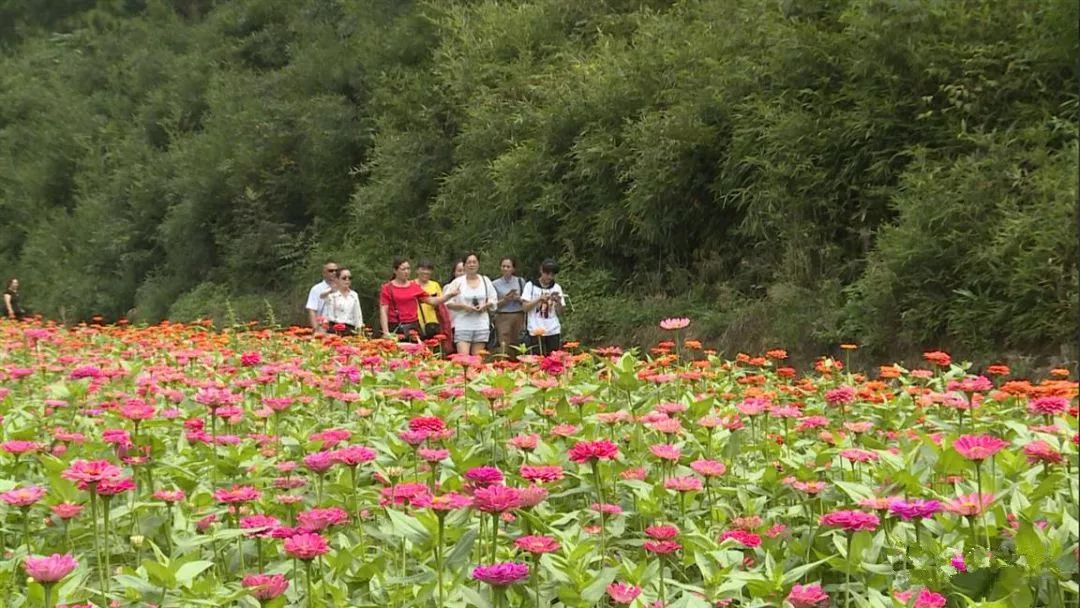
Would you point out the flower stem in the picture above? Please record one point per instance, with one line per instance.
(847, 573)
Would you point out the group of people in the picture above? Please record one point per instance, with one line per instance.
(472, 312)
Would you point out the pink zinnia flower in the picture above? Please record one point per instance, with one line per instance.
(925, 598)
(687, 483)
(496, 499)
(851, 520)
(264, 587)
(306, 546)
(623, 593)
(675, 323)
(91, 472)
(746, 539)
(1048, 405)
(661, 547)
(841, 395)
(662, 532)
(18, 447)
(319, 462)
(859, 455)
(502, 574)
(260, 525)
(708, 468)
(537, 544)
(914, 509)
(50, 569)
(353, 455)
(112, 487)
(23, 497)
(1040, 451)
(969, 504)
(484, 476)
(958, 562)
(592, 451)
(978, 447)
(807, 596)
(532, 496)
(237, 494)
(525, 442)
(315, 520)
(450, 501)
(666, 451)
(67, 510)
(541, 473)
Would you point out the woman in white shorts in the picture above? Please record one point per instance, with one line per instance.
(472, 305)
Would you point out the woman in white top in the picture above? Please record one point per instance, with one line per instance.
(475, 299)
(342, 305)
(543, 301)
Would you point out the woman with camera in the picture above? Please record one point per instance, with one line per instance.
(475, 298)
(542, 302)
(398, 299)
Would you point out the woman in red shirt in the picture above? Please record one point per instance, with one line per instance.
(398, 302)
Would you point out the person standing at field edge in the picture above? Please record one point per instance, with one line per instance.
(509, 317)
(316, 306)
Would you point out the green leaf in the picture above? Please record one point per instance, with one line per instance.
(1031, 546)
(794, 575)
(459, 555)
(595, 590)
(186, 573)
(409, 527)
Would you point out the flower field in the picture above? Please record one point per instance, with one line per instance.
(177, 466)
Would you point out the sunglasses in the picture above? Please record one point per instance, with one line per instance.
(345, 278)
(330, 270)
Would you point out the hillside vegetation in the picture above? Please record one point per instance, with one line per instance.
(899, 174)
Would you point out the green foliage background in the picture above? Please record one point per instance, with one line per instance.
(899, 173)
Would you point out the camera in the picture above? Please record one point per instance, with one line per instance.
(476, 302)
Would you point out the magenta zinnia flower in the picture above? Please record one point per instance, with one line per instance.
(592, 451)
(978, 447)
(744, 538)
(306, 546)
(925, 598)
(661, 547)
(1049, 405)
(914, 509)
(265, 587)
(353, 455)
(484, 476)
(50, 569)
(623, 593)
(807, 596)
(501, 574)
(851, 521)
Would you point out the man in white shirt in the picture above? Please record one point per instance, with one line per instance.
(315, 304)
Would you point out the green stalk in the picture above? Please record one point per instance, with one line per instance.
(439, 554)
(847, 573)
